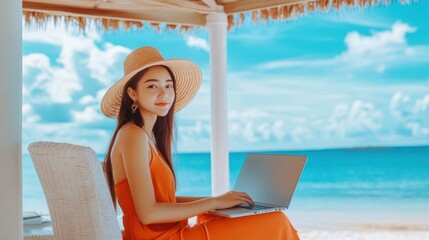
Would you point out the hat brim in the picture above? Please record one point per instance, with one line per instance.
(188, 80)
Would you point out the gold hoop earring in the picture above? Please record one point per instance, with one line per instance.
(134, 107)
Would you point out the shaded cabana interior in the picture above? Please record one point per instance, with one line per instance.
(179, 15)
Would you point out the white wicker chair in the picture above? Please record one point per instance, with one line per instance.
(76, 191)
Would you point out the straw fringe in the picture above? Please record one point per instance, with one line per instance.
(263, 15)
(285, 12)
(171, 26)
(156, 26)
(185, 29)
(323, 5)
(231, 21)
(40, 20)
(311, 6)
(255, 17)
(280, 12)
(274, 13)
(240, 19)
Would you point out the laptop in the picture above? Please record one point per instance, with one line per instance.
(270, 180)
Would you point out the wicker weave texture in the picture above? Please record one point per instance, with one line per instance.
(76, 191)
(39, 237)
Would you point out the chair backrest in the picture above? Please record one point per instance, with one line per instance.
(76, 191)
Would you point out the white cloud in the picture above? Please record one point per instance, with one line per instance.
(199, 128)
(301, 134)
(409, 114)
(359, 118)
(417, 129)
(249, 114)
(396, 99)
(357, 122)
(35, 60)
(56, 35)
(380, 42)
(54, 84)
(106, 66)
(26, 108)
(64, 76)
(100, 94)
(378, 51)
(422, 104)
(88, 115)
(397, 103)
(28, 115)
(249, 133)
(375, 52)
(255, 126)
(197, 42)
(62, 80)
(87, 99)
(278, 130)
(97, 139)
(252, 126)
(193, 136)
(297, 63)
(265, 131)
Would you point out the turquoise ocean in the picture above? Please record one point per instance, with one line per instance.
(391, 179)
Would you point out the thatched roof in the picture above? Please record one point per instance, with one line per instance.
(173, 14)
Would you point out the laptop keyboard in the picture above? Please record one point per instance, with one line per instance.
(254, 207)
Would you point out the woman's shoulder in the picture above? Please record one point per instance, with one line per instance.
(131, 143)
(131, 132)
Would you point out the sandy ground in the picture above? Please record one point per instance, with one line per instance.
(318, 234)
(330, 225)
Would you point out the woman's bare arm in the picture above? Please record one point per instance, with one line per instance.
(184, 199)
(134, 148)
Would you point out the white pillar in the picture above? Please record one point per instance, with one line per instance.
(217, 26)
(10, 119)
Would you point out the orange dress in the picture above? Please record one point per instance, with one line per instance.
(272, 226)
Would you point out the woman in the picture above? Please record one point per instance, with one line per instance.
(139, 166)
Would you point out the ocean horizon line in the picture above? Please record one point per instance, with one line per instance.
(360, 148)
(356, 148)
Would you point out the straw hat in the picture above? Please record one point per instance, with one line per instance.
(187, 74)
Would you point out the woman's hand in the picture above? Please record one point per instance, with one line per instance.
(232, 199)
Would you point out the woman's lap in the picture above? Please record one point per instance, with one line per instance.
(263, 226)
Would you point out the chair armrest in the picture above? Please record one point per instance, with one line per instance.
(39, 237)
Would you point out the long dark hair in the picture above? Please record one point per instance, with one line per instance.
(163, 128)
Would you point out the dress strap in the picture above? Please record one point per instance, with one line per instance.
(152, 149)
(204, 228)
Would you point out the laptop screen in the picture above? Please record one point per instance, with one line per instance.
(270, 178)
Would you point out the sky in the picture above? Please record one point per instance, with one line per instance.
(351, 78)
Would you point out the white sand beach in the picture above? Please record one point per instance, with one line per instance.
(313, 234)
(361, 225)
(331, 225)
